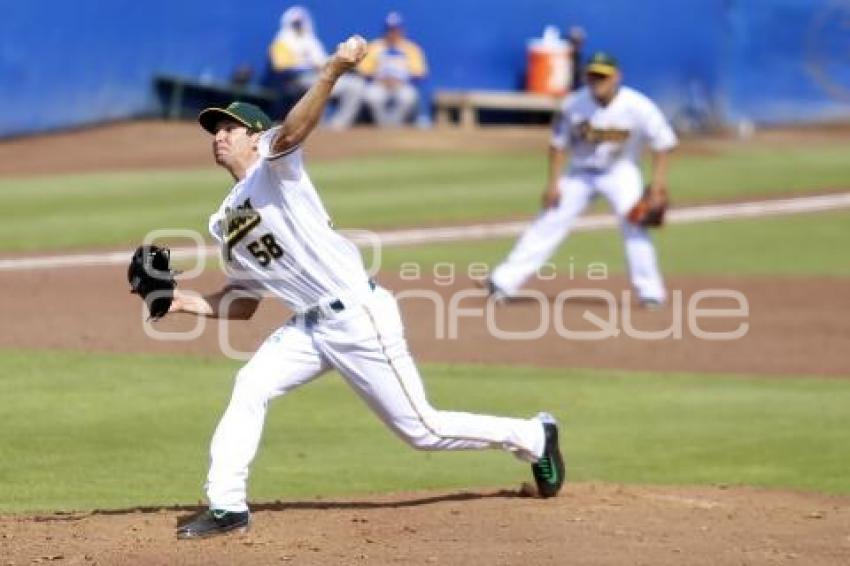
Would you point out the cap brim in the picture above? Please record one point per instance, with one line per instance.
(601, 69)
(209, 118)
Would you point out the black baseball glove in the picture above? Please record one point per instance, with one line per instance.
(151, 278)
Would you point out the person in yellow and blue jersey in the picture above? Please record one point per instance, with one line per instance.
(395, 65)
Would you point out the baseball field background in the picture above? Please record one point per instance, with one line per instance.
(679, 451)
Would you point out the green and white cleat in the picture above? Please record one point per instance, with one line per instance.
(549, 471)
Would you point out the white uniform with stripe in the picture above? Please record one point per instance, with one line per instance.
(605, 144)
(278, 238)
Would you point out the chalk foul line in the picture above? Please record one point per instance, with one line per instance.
(415, 236)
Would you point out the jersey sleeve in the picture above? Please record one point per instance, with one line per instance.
(369, 65)
(561, 127)
(241, 279)
(281, 56)
(416, 62)
(246, 285)
(286, 164)
(656, 129)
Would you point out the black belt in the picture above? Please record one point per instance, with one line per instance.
(313, 314)
(589, 170)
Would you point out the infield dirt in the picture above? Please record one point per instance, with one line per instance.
(588, 524)
(791, 329)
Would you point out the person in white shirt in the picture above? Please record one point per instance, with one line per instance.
(605, 126)
(296, 56)
(277, 239)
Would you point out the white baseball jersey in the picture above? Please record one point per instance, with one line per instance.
(276, 235)
(601, 136)
(606, 144)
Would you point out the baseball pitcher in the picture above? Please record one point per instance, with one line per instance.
(277, 239)
(605, 126)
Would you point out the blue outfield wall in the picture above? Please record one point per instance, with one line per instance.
(787, 60)
(64, 64)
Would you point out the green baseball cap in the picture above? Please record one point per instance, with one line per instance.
(247, 114)
(602, 64)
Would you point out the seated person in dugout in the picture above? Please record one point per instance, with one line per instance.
(394, 64)
(297, 55)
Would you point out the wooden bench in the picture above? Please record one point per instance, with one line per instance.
(467, 104)
(175, 89)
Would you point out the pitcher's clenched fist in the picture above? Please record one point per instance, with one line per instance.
(349, 53)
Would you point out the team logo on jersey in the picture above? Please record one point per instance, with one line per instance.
(238, 222)
(587, 133)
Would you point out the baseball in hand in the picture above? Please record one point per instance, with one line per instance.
(352, 50)
(355, 43)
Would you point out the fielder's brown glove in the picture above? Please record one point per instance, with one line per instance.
(151, 278)
(649, 214)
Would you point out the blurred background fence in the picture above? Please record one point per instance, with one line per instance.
(64, 64)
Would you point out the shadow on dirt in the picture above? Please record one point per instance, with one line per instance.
(192, 510)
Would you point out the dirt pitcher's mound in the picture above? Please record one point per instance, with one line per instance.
(588, 524)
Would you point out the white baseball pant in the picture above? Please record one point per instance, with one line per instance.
(365, 342)
(348, 92)
(622, 186)
(391, 107)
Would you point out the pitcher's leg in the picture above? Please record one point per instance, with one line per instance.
(543, 236)
(374, 359)
(286, 360)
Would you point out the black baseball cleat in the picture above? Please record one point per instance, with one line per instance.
(549, 470)
(215, 522)
(494, 293)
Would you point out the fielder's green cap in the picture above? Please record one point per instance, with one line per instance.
(602, 64)
(248, 114)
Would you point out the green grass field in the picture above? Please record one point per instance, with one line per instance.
(82, 431)
(111, 209)
(806, 244)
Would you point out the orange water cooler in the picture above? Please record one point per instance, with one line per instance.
(549, 64)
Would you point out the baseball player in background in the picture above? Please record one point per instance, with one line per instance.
(277, 239)
(605, 127)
